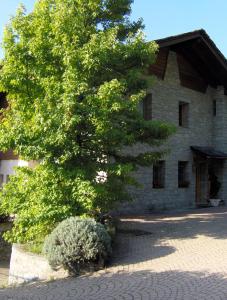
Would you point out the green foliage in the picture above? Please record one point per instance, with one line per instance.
(42, 197)
(33, 247)
(77, 242)
(74, 75)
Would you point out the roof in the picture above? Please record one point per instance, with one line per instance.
(201, 34)
(209, 152)
(198, 48)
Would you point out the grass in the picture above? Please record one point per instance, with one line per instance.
(35, 248)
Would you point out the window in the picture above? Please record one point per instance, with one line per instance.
(7, 178)
(147, 107)
(159, 174)
(1, 180)
(214, 107)
(183, 181)
(3, 101)
(183, 114)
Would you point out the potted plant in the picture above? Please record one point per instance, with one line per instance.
(215, 186)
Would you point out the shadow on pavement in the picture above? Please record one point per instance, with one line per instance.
(170, 285)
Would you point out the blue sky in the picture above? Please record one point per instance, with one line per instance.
(161, 18)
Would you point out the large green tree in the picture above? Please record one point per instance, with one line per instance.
(74, 72)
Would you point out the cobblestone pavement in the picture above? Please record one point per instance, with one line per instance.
(173, 256)
(4, 271)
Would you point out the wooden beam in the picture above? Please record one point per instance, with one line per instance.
(199, 62)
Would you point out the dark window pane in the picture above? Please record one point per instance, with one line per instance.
(147, 107)
(159, 175)
(214, 107)
(180, 115)
(183, 114)
(183, 174)
(3, 101)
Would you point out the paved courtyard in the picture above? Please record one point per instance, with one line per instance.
(167, 257)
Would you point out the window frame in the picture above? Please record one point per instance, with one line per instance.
(147, 107)
(159, 169)
(183, 174)
(183, 114)
(8, 177)
(214, 108)
(1, 180)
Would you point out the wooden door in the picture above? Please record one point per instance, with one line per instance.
(201, 184)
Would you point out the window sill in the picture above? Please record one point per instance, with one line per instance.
(158, 187)
(183, 186)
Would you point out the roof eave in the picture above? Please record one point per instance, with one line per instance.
(198, 34)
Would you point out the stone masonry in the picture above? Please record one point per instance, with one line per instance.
(204, 130)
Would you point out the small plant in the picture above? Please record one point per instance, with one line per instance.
(77, 243)
(33, 247)
(215, 186)
(108, 221)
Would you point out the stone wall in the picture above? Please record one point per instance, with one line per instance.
(26, 267)
(167, 94)
(220, 134)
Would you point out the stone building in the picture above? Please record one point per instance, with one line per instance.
(189, 91)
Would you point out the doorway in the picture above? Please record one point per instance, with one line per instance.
(202, 184)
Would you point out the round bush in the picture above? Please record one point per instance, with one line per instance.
(77, 242)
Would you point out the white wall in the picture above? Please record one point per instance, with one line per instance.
(25, 267)
(7, 167)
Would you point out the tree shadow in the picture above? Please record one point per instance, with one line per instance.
(209, 222)
(132, 246)
(143, 240)
(129, 249)
(169, 285)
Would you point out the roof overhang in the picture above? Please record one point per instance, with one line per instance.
(202, 53)
(209, 152)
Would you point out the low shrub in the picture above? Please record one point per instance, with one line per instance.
(77, 243)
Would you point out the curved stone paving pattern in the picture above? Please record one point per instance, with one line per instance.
(175, 256)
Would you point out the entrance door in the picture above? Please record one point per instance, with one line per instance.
(201, 184)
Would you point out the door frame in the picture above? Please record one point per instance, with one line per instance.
(201, 196)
